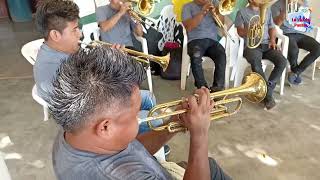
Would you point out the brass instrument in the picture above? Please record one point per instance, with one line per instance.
(225, 8)
(254, 89)
(145, 8)
(163, 61)
(256, 25)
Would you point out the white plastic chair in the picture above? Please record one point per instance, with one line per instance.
(4, 172)
(30, 51)
(185, 65)
(242, 64)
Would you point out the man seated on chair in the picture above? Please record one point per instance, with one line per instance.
(99, 138)
(202, 41)
(116, 25)
(57, 21)
(297, 40)
(266, 50)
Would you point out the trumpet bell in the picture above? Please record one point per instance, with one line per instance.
(226, 7)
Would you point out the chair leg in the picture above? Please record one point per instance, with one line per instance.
(160, 154)
(282, 81)
(149, 79)
(184, 72)
(314, 66)
(227, 76)
(241, 67)
(46, 113)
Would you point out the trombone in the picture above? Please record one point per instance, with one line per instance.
(163, 61)
(254, 89)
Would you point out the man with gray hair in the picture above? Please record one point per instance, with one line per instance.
(96, 101)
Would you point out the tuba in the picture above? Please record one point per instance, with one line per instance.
(256, 25)
(254, 89)
(143, 58)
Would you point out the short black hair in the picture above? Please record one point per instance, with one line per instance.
(54, 15)
(90, 80)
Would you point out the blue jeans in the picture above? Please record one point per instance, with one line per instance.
(148, 100)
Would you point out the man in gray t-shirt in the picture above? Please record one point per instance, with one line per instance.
(96, 101)
(61, 33)
(202, 41)
(116, 25)
(266, 50)
(297, 40)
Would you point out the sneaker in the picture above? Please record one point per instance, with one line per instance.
(269, 103)
(216, 89)
(294, 78)
(166, 150)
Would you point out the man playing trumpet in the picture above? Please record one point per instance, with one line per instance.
(99, 138)
(116, 25)
(266, 50)
(202, 41)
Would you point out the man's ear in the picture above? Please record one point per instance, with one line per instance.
(55, 35)
(102, 129)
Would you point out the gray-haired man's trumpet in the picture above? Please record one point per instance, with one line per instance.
(254, 89)
(163, 61)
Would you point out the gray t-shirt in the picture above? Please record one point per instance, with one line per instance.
(286, 26)
(121, 32)
(207, 27)
(243, 18)
(132, 163)
(44, 70)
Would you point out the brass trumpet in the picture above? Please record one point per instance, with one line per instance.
(163, 61)
(256, 25)
(225, 8)
(254, 89)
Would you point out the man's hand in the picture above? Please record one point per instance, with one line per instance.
(118, 46)
(124, 7)
(207, 7)
(272, 45)
(197, 117)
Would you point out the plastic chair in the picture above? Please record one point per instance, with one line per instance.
(242, 64)
(185, 65)
(30, 51)
(4, 172)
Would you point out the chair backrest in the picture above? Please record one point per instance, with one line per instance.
(30, 50)
(166, 25)
(90, 32)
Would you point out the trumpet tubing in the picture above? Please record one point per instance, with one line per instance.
(163, 61)
(254, 89)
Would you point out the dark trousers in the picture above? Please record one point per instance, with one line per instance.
(300, 41)
(216, 171)
(213, 49)
(254, 57)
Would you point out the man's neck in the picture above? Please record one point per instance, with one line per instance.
(57, 47)
(114, 6)
(85, 142)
